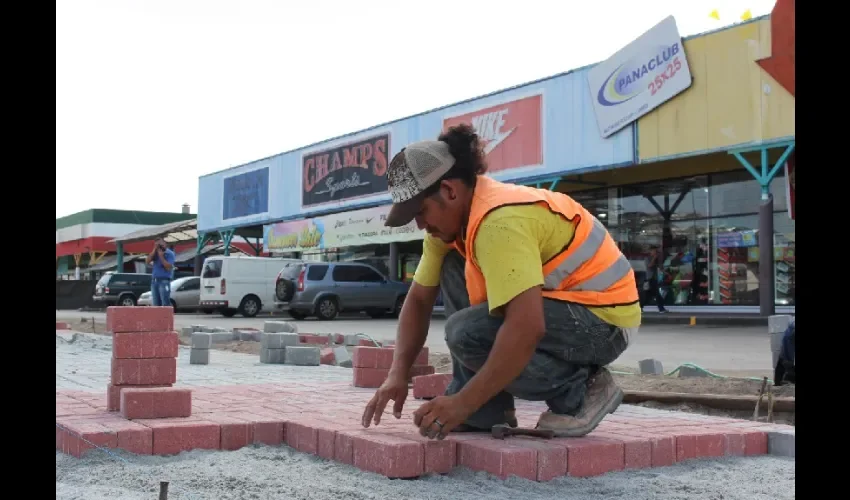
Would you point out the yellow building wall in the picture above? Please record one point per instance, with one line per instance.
(731, 102)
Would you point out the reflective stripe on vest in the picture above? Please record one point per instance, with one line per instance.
(599, 283)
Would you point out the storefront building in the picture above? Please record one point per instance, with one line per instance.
(687, 173)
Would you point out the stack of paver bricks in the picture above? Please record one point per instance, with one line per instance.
(279, 344)
(144, 364)
(372, 365)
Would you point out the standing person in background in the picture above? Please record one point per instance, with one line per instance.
(655, 260)
(162, 260)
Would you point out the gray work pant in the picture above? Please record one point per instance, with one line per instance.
(576, 343)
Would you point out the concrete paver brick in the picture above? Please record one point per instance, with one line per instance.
(327, 356)
(369, 377)
(247, 335)
(781, 443)
(589, 456)
(342, 357)
(313, 339)
(500, 458)
(132, 437)
(391, 456)
(197, 328)
(278, 340)
(141, 345)
(187, 331)
(351, 339)
(650, 367)
(221, 337)
(365, 357)
(431, 386)
(61, 325)
(302, 355)
(280, 327)
(368, 343)
(157, 371)
(420, 370)
(139, 403)
(121, 319)
(201, 340)
(199, 356)
(235, 432)
(170, 438)
(272, 356)
(113, 394)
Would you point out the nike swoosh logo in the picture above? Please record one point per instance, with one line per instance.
(498, 140)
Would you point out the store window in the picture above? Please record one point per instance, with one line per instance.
(736, 193)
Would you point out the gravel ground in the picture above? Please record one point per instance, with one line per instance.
(281, 473)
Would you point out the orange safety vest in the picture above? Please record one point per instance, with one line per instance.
(590, 271)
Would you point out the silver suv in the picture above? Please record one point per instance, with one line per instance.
(324, 289)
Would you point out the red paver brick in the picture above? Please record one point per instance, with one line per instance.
(303, 435)
(710, 443)
(140, 345)
(327, 357)
(77, 438)
(431, 386)
(638, 450)
(235, 432)
(156, 403)
(139, 319)
(157, 371)
(61, 325)
(113, 394)
(589, 456)
(365, 357)
(498, 457)
(385, 357)
(551, 458)
(367, 343)
(132, 437)
(419, 371)
(173, 435)
(391, 456)
(755, 442)
(369, 377)
(440, 456)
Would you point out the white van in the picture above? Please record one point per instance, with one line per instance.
(240, 283)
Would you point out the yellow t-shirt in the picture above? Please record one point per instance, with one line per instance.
(511, 246)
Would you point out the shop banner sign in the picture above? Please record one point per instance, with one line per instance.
(344, 172)
(361, 227)
(245, 194)
(511, 132)
(640, 77)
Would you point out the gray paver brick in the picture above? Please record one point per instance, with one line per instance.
(280, 327)
(246, 335)
(650, 367)
(303, 355)
(187, 331)
(199, 356)
(781, 443)
(278, 340)
(272, 356)
(202, 340)
(687, 371)
(342, 356)
(221, 337)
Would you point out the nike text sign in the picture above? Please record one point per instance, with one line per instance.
(511, 132)
(639, 78)
(352, 170)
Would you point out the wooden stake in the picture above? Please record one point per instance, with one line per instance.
(761, 395)
(163, 490)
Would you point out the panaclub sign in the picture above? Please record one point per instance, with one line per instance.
(361, 227)
(346, 171)
(640, 77)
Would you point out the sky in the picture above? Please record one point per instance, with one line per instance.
(152, 94)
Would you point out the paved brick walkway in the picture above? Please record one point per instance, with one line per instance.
(237, 401)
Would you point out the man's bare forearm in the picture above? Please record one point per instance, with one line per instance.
(414, 320)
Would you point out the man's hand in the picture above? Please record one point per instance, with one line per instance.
(394, 388)
(450, 411)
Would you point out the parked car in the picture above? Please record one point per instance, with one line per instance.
(185, 294)
(121, 289)
(239, 283)
(324, 289)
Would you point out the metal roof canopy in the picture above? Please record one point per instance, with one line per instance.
(174, 232)
(110, 263)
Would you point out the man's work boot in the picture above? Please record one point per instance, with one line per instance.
(603, 397)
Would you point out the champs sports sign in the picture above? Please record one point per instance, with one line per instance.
(511, 132)
(346, 171)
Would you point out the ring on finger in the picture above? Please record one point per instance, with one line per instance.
(439, 424)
